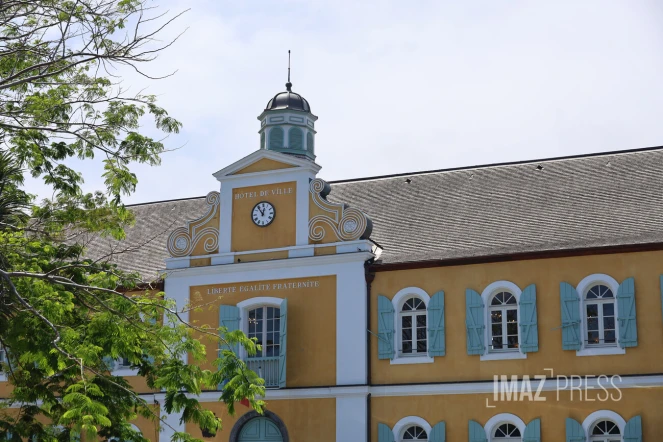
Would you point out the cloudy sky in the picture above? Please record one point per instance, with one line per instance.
(403, 86)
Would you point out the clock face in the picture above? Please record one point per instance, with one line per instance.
(263, 214)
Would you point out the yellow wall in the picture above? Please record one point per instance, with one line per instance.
(306, 419)
(280, 233)
(263, 165)
(456, 410)
(311, 354)
(647, 357)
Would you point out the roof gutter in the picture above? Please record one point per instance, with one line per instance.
(542, 254)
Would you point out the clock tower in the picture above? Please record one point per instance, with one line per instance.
(287, 124)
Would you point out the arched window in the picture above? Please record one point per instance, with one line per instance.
(605, 431)
(599, 310)
(309, 142)
(503, 313)
(412, 321)
(506, 432)
(503, 321)
(296, 138)
(276, 138)
(414, 432)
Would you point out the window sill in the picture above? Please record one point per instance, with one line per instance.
(601, 351)
(423, 359)
(503, 356)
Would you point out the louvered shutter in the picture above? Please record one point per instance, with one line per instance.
(384, 433)
(385, 328)
(574, 431)
(474, 323)
(628, 331)
(296, 138)
(476, 432)
(436, 339)
(633, 430)
(529, 333)
(283, 343)
(438, 433)
(570, 317)
(533, 431)
(229, 318)
(276, 138)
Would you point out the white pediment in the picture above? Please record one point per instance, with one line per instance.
(272, 162)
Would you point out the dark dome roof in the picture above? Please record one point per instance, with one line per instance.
(288, 100)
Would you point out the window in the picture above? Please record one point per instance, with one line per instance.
(413, 327)
(506, 433)
(501, 321)
(599, 311)
(592, 312)
(415, 428)
(414, 432)
(503, 313)
(264, 325)
(605, 431)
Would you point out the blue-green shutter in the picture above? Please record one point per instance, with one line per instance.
(628, 330)
(262, 140)
(533, 431)
(570, 317)
(384, 433)
(385, 328)
(309, 142)
(276, 138)
(529, 333)
(229, 318)
(283, 343)
(476, 432)
(295, 138)
(633, 430)
(436, 344)
(574, 431)
(438, 433)
(474, 323)
(109, 363)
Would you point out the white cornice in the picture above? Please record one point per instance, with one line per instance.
(299, 163)
(308, 261)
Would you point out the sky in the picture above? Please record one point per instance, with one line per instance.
(404, 86)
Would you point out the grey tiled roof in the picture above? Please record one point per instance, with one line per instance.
(559, 204)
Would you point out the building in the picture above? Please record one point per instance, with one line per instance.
(388, 306)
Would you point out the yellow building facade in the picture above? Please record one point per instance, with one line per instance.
(507, 303)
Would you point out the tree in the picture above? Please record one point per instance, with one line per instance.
(64, 315)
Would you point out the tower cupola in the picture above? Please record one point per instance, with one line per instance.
(287, 124)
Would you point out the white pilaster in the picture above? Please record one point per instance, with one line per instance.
(351, 421)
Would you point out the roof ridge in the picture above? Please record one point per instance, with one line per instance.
(508, 163)
(165, 201)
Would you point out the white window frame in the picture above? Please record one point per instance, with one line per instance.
(250, 304)
(406, 422)
(503, 418)
(486, 296)
(600, 415)
(582, 288)
(122, 370)
(397, 301)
